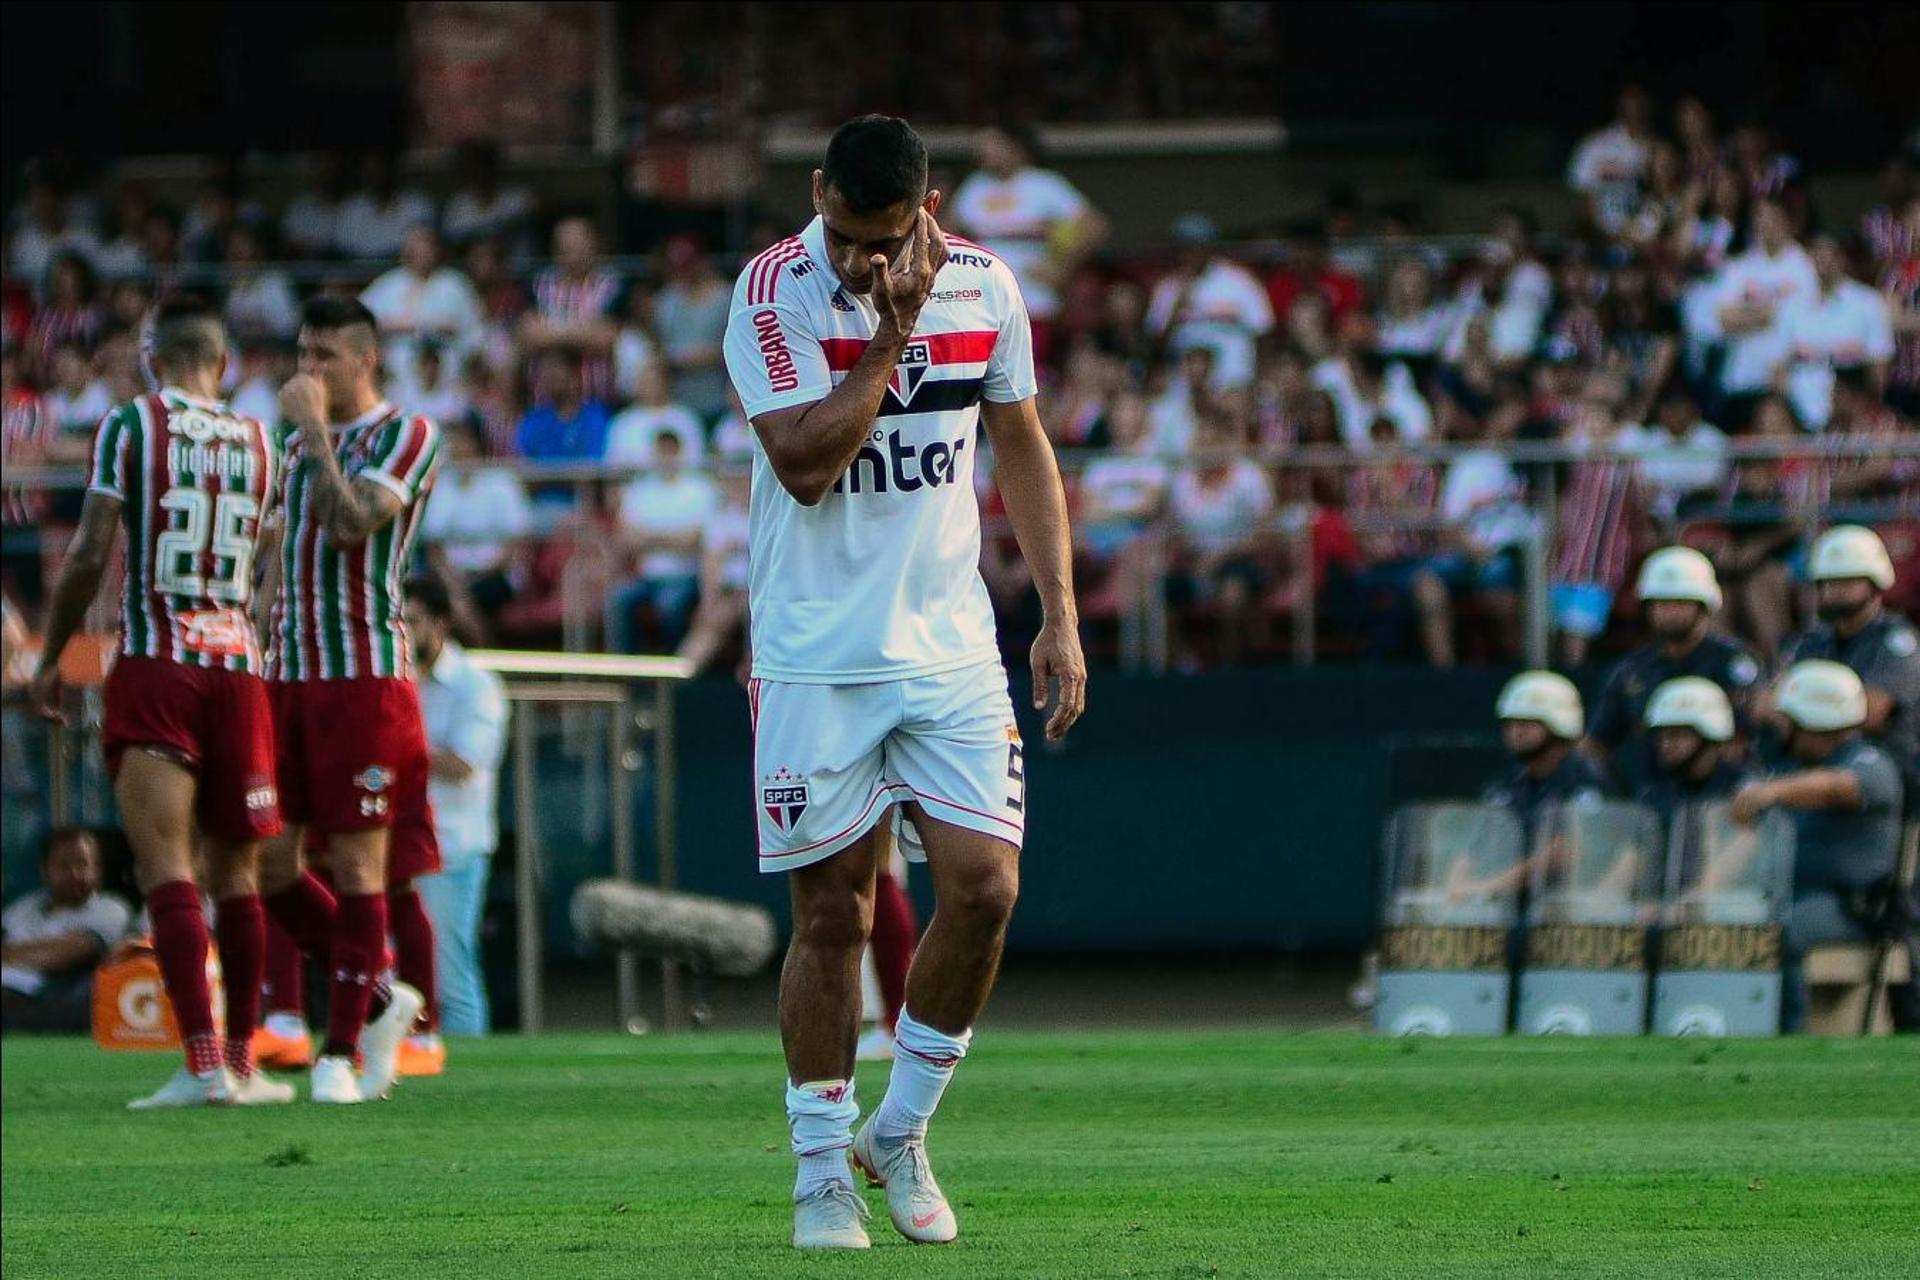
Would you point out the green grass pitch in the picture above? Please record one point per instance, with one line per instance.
(1229, 1154)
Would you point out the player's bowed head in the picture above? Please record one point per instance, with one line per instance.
(879, 216)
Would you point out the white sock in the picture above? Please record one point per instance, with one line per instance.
(923, 1063)
(820, 1116)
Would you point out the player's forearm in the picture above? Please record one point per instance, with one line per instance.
(1814, 789)
(78, 584)
(812, 451)
(1037, 505)
(348, 517)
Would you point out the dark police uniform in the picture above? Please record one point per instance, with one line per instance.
(1665, 793)
(1619, 716)
(1574, 778)
(1885, 654)
(1837, 853)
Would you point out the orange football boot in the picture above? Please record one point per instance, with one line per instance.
(282, 1053)
(422, 1056)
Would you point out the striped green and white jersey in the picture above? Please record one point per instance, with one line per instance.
(338, 612)
(195, 481)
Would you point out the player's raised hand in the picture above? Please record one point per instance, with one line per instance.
(46, 692)
(1059, 667)
(304, 402)
(900, 288)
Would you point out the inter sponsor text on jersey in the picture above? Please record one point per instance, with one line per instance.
(338, 613)
(195, 480)
(880, 580)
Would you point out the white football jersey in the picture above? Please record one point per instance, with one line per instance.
(880, 580)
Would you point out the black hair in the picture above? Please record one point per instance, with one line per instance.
(58, 836)
(188, 334)
(876, 162)
(430, 594)
(328, 312)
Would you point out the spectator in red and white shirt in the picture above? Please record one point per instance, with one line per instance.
(1602, 520)
(1036, 221)
(576, 307)
(69, 315)
(1844, 325)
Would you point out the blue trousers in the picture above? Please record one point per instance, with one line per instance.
(454, 899)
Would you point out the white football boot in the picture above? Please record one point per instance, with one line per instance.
(831, 1218)
(380, 1042)
(333, 1081)
(257, 1090)
(186, 1089)
(914, 1202)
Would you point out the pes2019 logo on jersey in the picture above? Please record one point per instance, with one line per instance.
(781, 375)
(784, 797)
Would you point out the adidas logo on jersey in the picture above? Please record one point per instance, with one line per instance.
(938, 463)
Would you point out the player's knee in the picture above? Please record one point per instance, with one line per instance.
(833, 925)
(986, 894)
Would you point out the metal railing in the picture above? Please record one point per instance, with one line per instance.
(535, 679)
(1146, 623)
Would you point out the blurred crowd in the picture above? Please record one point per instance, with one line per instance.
(1249, 428)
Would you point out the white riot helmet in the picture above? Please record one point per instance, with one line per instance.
(1543, 696)
(1692, 702)
(1822, 697)
(1849, 551)
(1679, 573)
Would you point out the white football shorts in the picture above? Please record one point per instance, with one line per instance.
(831, 760)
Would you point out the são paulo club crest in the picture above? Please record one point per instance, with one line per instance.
(910, 372)
(784, 797)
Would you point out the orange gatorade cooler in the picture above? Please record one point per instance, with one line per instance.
(131, 1012)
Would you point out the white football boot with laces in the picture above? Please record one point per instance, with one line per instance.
(380, 1042)
(831, 1218)
(914, 1201)
(186, 1089)
(333, 1081)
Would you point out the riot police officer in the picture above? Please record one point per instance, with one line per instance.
(1844, 799)
(1680, 596)
(1852, 573)
(1690, 721)
(1540, 721)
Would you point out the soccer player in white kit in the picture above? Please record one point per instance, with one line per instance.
(867, 352)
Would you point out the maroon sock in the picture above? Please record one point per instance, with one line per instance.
(305, 909)
(413, 950)
(894, 932)
(241, 928)
(359, 940)
(180, 940)
(286, 986)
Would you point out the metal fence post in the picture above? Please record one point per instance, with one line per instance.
(1535, 552)
(526, 843)
(666, 818)
(620, 803)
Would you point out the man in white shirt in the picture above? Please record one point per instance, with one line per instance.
(1843, 325)
(465, 710)
(1749, 306)
(1033, 219)
(1212, 302)
(868, 351)
(1679, 453)
(374, 222)
(54, 936)
(662, 514)
(1609, 164)
(653, 413)
(423, 300)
